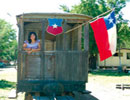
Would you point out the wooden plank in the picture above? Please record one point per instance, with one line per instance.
(68, 65)
(75, 38)
(87, 64)
(32, 20)
(62, 40)
(63, 65)
(33, 67)
(74, 65)
(58, 66)
(86, 37)
(55, 15)
(22, 35)
(42, 49)
(84, 71)
(23, 65)
(18, 67)
(59, 42)
(33, 26)
(79, 38)
(80, 67)
(50, 66)
(19, 56)
(20, 43)
(43, 34)
(71, 21)
(66, 37)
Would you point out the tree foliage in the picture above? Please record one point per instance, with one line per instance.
(96, 7)
(8, 42)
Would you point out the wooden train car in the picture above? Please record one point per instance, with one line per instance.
(61, 66)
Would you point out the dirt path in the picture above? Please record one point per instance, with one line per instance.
(108, 91)
(102, 88)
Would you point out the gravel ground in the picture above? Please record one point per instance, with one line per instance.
(107, 92)
(101, 88)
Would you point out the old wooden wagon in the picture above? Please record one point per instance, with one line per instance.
(61, 66)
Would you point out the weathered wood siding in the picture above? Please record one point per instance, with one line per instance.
(33, 66)
(61, 57)
(61, 65)
(71, 66)
(49, 66)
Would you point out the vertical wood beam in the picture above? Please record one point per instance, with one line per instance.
(19, 56)
(42, 55)
(86, 37)
(79, 38)
(21, 35)
(65, 36)
(43, 35)
(22, 56)
(86, 48)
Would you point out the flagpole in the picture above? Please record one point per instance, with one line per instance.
(89, 20)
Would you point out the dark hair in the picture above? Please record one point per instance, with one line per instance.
(29, 36)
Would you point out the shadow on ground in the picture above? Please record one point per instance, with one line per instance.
(79, 96)
(7, 84)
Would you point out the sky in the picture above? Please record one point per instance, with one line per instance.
(10, 8)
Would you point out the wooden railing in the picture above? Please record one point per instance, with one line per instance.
(54, 65)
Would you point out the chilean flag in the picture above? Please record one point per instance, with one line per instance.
(55, 26)
(105, 35)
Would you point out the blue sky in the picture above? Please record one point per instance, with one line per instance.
(11, 8)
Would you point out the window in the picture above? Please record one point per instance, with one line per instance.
(128, 55)
(118, 54)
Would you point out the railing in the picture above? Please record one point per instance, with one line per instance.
(54, 65)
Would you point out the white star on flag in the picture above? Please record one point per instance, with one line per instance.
(54, 26)
(110, 20)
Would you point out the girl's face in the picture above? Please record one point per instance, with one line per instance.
(32, 37)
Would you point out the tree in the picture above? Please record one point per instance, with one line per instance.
(97, 7)
(8, 42)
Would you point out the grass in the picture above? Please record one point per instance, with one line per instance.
(7, 84)
(109, 73)
(105, 78)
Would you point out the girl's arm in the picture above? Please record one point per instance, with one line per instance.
(38, 49)
(24, 47)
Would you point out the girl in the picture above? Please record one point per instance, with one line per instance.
(32, 45)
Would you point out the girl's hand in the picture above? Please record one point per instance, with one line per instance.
(29, 52)
(33, 50)
(29, 49)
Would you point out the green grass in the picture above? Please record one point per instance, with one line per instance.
(109, 73)
(7, 84)
(8, 81)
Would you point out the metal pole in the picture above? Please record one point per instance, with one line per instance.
(119, 68)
